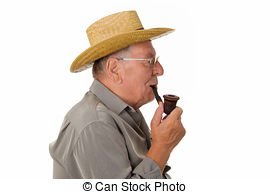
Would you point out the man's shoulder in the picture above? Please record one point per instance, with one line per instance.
(82, 116)
(89, 110)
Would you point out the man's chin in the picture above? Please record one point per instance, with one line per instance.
(150, 99)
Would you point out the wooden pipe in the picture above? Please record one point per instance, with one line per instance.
(158, 98)
(169, 100)
(170, 103)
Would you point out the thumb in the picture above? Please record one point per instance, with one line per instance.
(157, 116)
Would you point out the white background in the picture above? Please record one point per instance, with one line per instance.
(216, 61)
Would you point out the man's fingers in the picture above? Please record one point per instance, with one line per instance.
(157, 116)
(176, 113)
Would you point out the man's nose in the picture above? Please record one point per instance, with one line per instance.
(158, 69)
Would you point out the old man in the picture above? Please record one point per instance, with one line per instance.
(105, 134)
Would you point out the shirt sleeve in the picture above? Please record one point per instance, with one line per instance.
(101, 153)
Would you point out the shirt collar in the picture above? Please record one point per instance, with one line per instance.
(107, 97)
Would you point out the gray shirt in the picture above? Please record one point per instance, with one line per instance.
(103, 137)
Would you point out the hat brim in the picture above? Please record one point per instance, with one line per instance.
(87, 58)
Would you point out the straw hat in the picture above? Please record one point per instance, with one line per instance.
(112, 33)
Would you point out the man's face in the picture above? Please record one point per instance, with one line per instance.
(138, 76)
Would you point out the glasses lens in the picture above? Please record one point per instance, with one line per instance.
(156, 60)
(153, 61)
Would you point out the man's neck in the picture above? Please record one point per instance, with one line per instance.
(117, 90)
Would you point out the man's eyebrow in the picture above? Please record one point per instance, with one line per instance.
(150, 55)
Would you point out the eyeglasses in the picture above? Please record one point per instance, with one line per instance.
(151, 61)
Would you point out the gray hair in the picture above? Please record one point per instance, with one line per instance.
(100, 64)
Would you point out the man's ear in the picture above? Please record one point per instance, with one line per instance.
(113, 70)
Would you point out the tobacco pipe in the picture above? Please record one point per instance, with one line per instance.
(170, 100)
(158, 98)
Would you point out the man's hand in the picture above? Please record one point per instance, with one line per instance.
(166, 134)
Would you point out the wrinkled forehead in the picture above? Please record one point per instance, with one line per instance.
(142, 49)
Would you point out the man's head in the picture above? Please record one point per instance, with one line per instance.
(116, 40)
(128, 78)
(113, 33)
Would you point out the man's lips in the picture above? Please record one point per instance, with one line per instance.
(153, 84)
